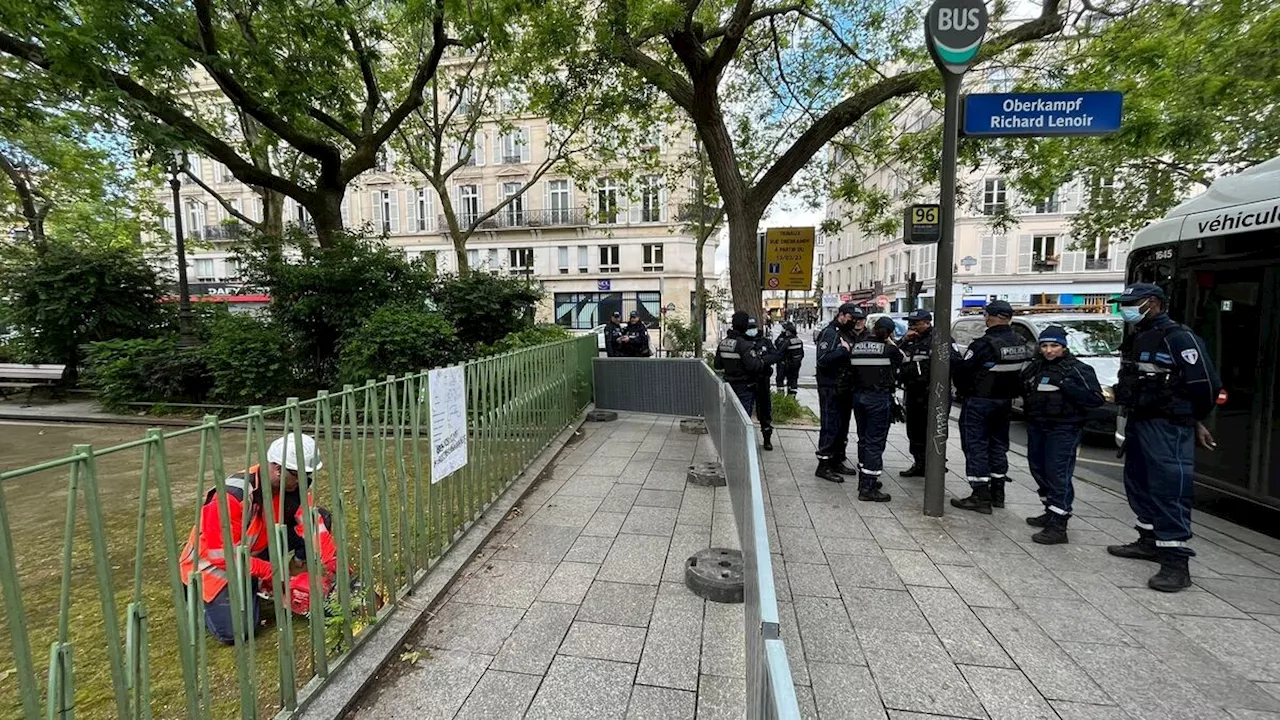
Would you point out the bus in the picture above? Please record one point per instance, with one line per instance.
(1217, 257)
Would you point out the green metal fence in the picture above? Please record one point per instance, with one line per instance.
(391, 525)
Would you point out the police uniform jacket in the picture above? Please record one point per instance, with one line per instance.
(1165, 373)
(992, 365)
(914, 372)
(742, 359)
(1060, 391)
(637, 344)
(832, 359)
(874, 364)
(612, 331)
(792, 349)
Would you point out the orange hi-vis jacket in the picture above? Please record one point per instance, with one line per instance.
(210, 558)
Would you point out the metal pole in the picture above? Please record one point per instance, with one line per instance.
(940, 362)
(185, 334)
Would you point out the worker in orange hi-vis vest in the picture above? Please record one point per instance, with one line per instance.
(245, 500)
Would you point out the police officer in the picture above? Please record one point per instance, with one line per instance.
(835, 393)
(770, 355)
(913, 376)
(1059, 390)
(874, 361)
(634, 341)
(741, 356)
(612, 331)
(1166, 385)
(792, 349)
(988, 377)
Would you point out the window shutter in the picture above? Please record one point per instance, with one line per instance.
(526, 150)
(633, 207)
(479, 148)
(662, 204)
(395, 211)
(985, 253)
(1024, 253)
(546, 195)
(1001, 264)
(1072, 262)
(346, 211)
(376, 197)
(429, 203)
(414, 194)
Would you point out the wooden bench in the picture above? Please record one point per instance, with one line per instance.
(16, 376)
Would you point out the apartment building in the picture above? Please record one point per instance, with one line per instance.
(595, 247)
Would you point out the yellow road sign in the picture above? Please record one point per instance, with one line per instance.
(788, 254)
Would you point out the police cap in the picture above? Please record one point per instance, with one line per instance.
(885, 323)
(1140, 291)
(999, 308)
(920, 315)
(851, 309)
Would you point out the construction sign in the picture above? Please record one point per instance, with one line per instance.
(788, 258)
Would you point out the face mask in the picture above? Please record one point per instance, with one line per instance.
(1132, 314)
(752, 332)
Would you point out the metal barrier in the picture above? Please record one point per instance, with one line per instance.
(689, 387)
(376, 444)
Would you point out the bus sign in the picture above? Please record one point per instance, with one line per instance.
(1091, 112)
(922, 224)
(954, 30)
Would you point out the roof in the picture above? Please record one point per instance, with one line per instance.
(1259, 184)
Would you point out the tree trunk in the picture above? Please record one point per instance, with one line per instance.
(460, 250)
(744, 261)
(699, 295)
(272, 213)
(326, 215)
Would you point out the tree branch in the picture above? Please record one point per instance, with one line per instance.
(226, 204)
(26, 196)
(334, 124)
(414, 96)
(756, 17)
(731, 39)
(372, 94)
(623, 46)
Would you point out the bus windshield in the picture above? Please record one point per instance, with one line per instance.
(1093, 337)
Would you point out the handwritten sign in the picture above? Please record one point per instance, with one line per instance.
(447, 388)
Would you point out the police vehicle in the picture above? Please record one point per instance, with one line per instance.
(1217, 257)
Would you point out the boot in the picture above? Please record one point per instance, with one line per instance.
(868, 479)
(916, 470)
(1054, 532)
(768, 438)
(997, 492)
(844, 468)
(826, 472)
(1173, 575)
(1040, 520)
(869, 490)
(1144, 548)
(979, 501)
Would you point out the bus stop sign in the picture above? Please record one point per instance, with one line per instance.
(955, 29)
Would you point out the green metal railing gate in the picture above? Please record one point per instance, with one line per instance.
(375, 443)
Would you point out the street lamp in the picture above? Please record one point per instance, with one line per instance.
(178, 161)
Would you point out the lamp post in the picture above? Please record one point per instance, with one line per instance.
(185, 334)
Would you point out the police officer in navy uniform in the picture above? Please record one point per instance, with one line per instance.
(835, 393)
(1167, 385)
(612, 331)
(742, 358)
(770, 355)
(1058, 391)
(792, 349)
(874, 361)
(913, 376)
(988, 377)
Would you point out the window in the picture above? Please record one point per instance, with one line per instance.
(993, 196)
(652, 258)
(890, 277)
(1103, 188)
(421, 211)
(386, 211)
(1001, 80)
(1098, 254)
(1044, 253)
(520, 261)
(1049, 205)
(486, 259)
(585, 311)
(513, 213)
(652, 139)
(232, 268)
(993, 255)
(562, 254)
(514, 147)
(234, 204)
(385, 161)
(204, 270)
(468, 204)
(649, 207)
(583, 255)
(224, 174)
(607, 201)
(472, 153)
(473, 258)
(195, 219)
(559, 201)
(195, 167)
(463, 94)
(608, 258)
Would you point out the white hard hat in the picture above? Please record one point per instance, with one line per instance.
(284, 452)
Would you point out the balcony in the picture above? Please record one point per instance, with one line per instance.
(227, 232)
(506, 219)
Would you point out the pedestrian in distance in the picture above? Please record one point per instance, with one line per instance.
(792, 349)
(988, 377)
(743, 361)
(634, 341)
(1167, 386)
(874, 361)
(835, 393)
(1058, 392)
(913, 376)
(612, 331)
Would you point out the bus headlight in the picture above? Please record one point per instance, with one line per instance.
(1108, 394)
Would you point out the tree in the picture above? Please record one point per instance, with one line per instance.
(330, 80)
(768, 86)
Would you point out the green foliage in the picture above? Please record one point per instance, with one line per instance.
(250, 361)
(484, 308)
(788, 410)
(124, 371)
(529, 337)
(398, 339)
(62, 295)
(680, 336)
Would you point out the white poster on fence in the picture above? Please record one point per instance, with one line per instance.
(448, 393)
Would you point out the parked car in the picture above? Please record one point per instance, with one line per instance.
(598, 331)
(1092, 337)
(899, 322)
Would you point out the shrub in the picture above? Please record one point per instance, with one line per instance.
(529, 337)
(250, 361)
(125, 371)
(680, 336)
(398, 339)
(787, 409)
(485, 308)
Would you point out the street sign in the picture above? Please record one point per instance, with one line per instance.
(1091, 112)
(954, 32)
(670, 308)
(789, 258)
(968, 261)
(922, 224)
(604, 284)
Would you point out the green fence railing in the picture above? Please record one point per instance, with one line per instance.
(130, 507)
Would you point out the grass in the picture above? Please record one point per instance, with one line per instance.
(787, 410)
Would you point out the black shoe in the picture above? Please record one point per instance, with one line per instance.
(844, 468)
(997, 493)
(1054, 532)
(873, 495)
(1174, 574)
(1040, 520)
(916, 470)
(768, 438)
(825, 472)
(979, 501)
(1144, 548)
